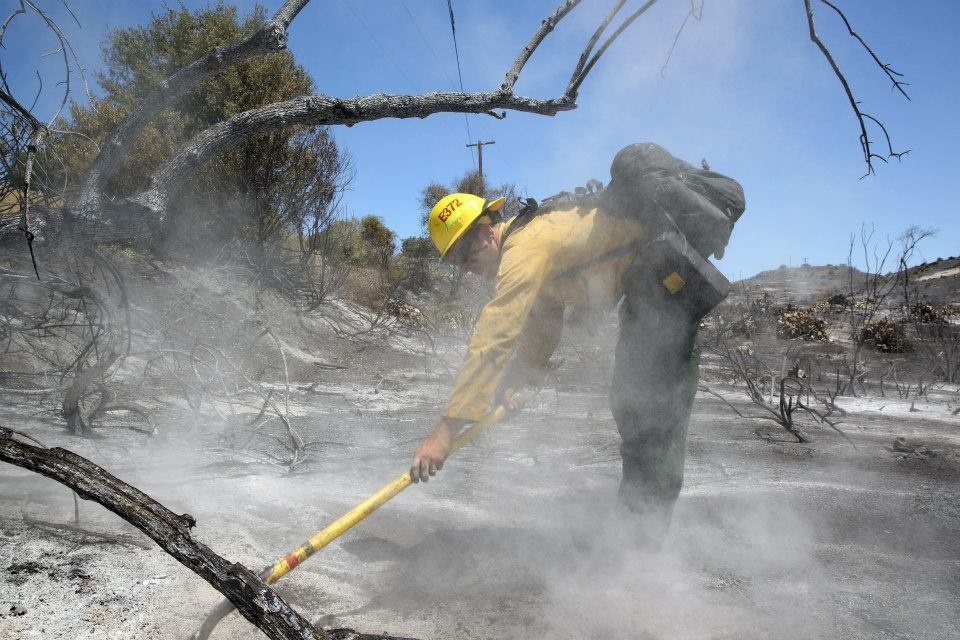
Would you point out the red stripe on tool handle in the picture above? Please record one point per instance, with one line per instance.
(292, 560)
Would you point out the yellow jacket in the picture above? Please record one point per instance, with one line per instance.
(557, 258)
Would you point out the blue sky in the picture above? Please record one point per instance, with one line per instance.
(745, 89)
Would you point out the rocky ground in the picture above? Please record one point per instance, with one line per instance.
(519, 536)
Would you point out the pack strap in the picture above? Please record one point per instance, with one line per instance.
(609, 255)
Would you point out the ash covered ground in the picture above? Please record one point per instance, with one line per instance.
(519, 536)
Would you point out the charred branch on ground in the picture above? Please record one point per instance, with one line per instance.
(257, 602)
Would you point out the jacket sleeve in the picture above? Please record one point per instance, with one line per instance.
(539, 340)
(523, 270)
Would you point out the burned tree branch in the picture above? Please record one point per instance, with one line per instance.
(21, 110)
(865, 144)
(545, 28)
(585, 55)
(692, 13)
(6, 23)
(257, 602)
(713, 393)
(36, 139)
(897, 84)
(577, 78)
(312, 111)
(38, 131)
(322, 110)
(71, 399)
(13, 150)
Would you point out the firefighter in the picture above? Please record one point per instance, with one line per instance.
(540, 263)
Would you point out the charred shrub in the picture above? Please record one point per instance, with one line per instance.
(928, 313)
(886, 336)
(762, 305)
(403, 311)
(833, 304)
(838, 300)
(752, 317)
(793, 323)
(746, 326)
(742, 319)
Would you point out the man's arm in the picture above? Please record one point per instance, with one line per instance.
(539, 340)
(522, 272)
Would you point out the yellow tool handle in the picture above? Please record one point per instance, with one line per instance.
(345, 522)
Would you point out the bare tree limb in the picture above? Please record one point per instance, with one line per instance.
(865, 144)
(67, 52)
(322, 110)
(545, 28)
(313, 111)
(707, 389)
(36, 139)
(6, 23)
(38, 130)
(897, 84)
(577, 78)
(585, 55)
(24, 113)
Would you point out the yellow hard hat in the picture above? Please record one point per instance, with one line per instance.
(453, 215)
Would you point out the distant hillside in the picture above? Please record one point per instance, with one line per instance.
(802, 285)
(937, 282)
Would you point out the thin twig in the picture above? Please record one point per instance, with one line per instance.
(676, 38)
(897, 84)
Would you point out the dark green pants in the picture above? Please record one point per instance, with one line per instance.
(654, 384)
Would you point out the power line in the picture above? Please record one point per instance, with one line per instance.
(429, 46)
(453, 30)
(456, 50)
(439, 64)
(382, 48)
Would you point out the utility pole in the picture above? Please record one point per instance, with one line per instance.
(479, 145)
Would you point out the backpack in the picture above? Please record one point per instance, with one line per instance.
(663, 192)
(689, 212)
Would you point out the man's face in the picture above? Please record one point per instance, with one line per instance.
(477, 252)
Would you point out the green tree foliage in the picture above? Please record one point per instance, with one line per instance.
(469, 182)
(417, 262)
(378, 241)
(417, 248)
(274, 184)
(365, 241)
(341, 240)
